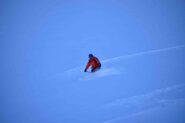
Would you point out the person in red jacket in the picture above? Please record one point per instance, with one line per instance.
(93, 62)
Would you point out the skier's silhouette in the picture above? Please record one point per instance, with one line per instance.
(93, 62)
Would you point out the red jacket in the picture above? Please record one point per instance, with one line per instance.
(94, 62)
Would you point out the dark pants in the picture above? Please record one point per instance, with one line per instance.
(96, 68)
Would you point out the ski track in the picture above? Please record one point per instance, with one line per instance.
(146, 102)
(74, 71)
(155, 94)
(143, 53)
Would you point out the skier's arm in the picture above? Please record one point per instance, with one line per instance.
(87, 66)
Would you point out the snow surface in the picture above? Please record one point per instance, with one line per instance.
(44, 49)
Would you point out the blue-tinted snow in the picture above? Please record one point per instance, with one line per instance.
(45, 45)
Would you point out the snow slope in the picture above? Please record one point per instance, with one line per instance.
(125, 91)
(44, 45)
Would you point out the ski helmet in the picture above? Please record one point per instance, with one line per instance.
(90, 55)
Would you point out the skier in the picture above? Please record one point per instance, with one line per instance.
(93, 62)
